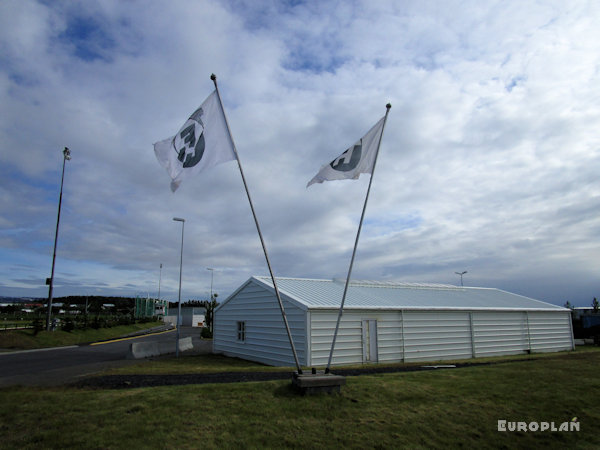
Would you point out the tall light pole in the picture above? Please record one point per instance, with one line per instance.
(160, 305)
(212, 273)
(159, 279)
(50, 281)
(179, 219)
(461, 276)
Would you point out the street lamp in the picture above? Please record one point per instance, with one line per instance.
(159, 279)
(179, 219)
(461, 276)
(212, 273)
(160, 305)
(50, 281)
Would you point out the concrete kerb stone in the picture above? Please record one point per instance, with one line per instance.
(185, 344)
(140, 350)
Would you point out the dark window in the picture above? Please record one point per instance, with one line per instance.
(241, 331)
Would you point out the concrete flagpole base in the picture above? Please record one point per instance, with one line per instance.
(317, 382)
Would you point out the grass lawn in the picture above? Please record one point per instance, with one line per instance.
(25, 339)
(168, 364)
(436, 409)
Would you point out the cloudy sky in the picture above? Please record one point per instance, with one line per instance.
(490, 161)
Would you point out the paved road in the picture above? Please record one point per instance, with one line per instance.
(51, 367)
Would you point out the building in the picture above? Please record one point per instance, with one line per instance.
(190, 317)
(384, 322)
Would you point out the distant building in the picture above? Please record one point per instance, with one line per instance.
(190, 316)
(384, 322)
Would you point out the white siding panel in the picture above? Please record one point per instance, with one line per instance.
(549, 331)
(500, 333)
(433, 335)
(389, 338)
(348, 347)
(266, 338)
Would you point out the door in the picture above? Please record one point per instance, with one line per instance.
(369, 339)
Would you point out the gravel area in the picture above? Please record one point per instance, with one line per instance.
(136, 381)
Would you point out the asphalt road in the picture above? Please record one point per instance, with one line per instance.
(57, 366)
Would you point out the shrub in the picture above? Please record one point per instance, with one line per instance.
(205, 333)
(124, 320)
(68, 325)
(38, 325)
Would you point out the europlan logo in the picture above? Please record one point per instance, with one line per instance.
(534, 427)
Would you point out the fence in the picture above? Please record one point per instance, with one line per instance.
(67, 322)
(12, 326)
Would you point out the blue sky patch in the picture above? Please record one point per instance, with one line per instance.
(302, 60)
(89, 40)
(515, 81)
(393, 224)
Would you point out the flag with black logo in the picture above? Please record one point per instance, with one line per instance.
(202, 142)
(359, 158)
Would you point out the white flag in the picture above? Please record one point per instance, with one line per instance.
(358, 159)
(203, 141)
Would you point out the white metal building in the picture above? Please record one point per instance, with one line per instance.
(384, 322)
(190, 317)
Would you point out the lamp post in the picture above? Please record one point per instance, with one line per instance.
(50, 281)
(159, 279)
(179, 219)
(212, 273)
(461, 276)
(160, 305)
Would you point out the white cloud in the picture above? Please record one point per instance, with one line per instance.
(488, 164)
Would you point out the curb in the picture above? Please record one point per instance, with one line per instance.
(145, 332)
(46, 349)
(136, 333)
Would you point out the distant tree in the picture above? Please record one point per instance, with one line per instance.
(124, 306)
(210, 308)
(193, 303)
(95, 306)
(568, 305)
(38, 325)
(11, 308)
(595, 305)
(68, 325)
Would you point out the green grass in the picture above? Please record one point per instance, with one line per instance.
(435, 409)
(25, 339)
(168, 364)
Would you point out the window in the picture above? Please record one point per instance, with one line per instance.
(241, 331)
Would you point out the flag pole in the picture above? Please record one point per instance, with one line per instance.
(213, 77)
(362, 216)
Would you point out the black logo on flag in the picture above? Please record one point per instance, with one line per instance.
(189, 148)
(349, 159)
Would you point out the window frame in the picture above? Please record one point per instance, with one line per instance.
(241, 331)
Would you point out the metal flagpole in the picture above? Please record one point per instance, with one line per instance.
(178, 219)
(50, 281)
(337, 325)
(213, 77)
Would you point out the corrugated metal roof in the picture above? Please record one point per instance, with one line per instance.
(327, 294)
